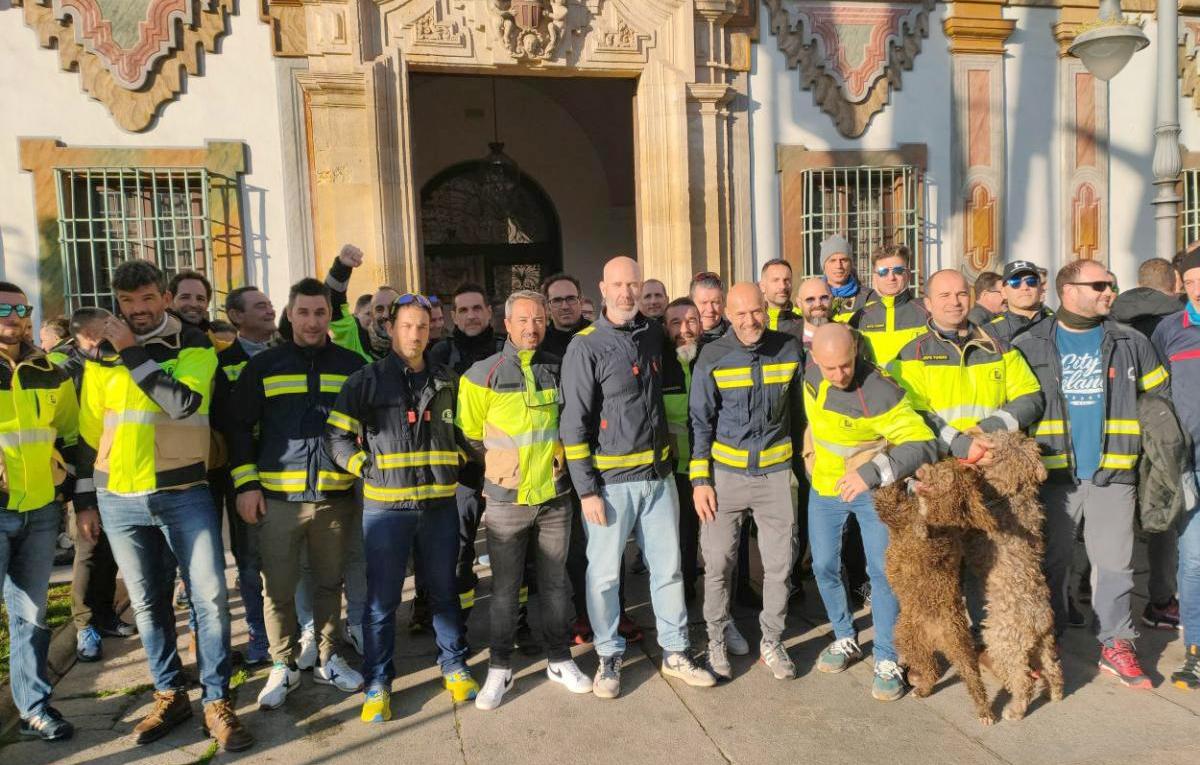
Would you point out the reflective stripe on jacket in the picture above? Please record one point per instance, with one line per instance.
(614, 428)
(843, 309)
(746, 406)
(889, 323)
(985, 384)
(39, 428)
(143, 415)
(1132, 368)
(276, 422)
(401, 442)
(869, 427)
(508, 408)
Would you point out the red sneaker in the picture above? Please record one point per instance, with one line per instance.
(1119, 659)
(581, 631)
(628, 629)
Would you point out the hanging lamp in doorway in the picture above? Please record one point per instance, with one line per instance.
(499, 175)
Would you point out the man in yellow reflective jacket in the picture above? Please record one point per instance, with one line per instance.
(38, 432)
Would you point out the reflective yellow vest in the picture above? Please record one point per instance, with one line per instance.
(39, 427)
(888, 323)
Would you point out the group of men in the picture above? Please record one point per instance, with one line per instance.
(344, 443)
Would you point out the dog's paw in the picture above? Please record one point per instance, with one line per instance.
(921, 691)
(988, 719)
(1013, 714)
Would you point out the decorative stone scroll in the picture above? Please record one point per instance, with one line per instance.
(131, 56)
(850, 54)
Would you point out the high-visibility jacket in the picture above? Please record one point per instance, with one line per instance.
(277, 417)
(869, 427)
(613, 427)
(746, 406)
(676, 385)
(845, 308)
(39, 428)
(786, 313)
(345, 329)
(143, 414)
(397, 435)
(1133, 368)
(888, 323)
(508, 407)
(1006, 325)
(983, 384)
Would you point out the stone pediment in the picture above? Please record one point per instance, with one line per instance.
(850, 54)
(131, 55)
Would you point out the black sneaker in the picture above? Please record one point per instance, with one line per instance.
(48, 725)
(1188, 676)
(118, 629)
(1165, 617)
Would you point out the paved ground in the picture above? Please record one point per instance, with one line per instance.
(827, 719)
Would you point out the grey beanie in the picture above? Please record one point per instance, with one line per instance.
(834, 244)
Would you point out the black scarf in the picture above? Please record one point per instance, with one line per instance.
(1076, 322)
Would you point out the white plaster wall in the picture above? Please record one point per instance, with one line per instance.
(235, 99)
(547, 143)
(782, 113)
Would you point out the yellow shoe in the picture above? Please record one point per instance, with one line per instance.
(378, 706)
(461, 685)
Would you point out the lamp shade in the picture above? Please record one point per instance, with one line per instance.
(1105, 50)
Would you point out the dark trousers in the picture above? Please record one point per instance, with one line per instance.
(513, 533)
(471, 505)
(689, 535)
(93, 584)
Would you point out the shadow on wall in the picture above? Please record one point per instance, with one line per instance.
(254, 221)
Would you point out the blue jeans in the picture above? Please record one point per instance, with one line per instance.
(145, 533)
(388, 537)
(826, 522)
(26, 557)
(650, 509)
(1189, 574)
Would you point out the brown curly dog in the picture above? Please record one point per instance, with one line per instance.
(924, 562)
(1019, 628)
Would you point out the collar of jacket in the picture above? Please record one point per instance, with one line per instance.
(637, 322)
(895, 300)
(1144, 302)
(169, 333)
(486, 338)
(439, 374)
(976, 336)
(28, 353)
(716, 333)
(309, 351)
(572, 330)
(513, 353)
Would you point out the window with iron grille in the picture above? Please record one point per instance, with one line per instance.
(108, 215)
(871, 206)
(1190, 213)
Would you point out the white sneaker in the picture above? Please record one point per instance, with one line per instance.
(280, 683)
(734, 642)
(337, 672)
(354, 636)
(309, 655)
(565, 673)
(498, 683)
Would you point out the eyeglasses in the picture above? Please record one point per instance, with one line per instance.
(894, 270)
(1100, 286)
(20, 309)
(817, 299)
(561, 301)
(1029, 280)
(409, 298)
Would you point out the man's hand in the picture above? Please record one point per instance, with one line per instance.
(705, 500)
(850, 486)
(981, 452)
(251, 506)
(87, 524)
(351, 256)
(118, 333)
(593, 510)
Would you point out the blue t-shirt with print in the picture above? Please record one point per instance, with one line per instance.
(1083, 388)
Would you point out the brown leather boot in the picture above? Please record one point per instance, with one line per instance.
(170, 709)
(221, 723)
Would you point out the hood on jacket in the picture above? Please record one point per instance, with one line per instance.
(1143, 301)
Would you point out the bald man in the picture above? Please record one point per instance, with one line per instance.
(864, 434)
(745, 408)
(614, 432)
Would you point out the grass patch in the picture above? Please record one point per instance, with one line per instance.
(209, 754)
(130, 690)
(58, 612)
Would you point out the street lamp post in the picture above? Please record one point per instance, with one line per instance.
(1104, 50)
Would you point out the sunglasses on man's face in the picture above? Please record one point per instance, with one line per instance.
(1015, 282)
(20, 309)
(1100, 286)
(894, 270)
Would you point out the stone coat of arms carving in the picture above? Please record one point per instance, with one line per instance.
(531, 30)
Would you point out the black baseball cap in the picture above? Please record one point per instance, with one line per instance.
(1020, 267)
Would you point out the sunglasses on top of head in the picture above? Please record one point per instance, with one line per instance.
(20, 309)
(409, 298)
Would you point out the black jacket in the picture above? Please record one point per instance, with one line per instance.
(557, 340)
(1007, 325)
(276, 417)
(1144, 307)
(1165, 466)
(614, 425)
(395, 429)
(459, 351)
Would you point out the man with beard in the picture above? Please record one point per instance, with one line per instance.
(775, 281)
(371, 341)
(191, 292)
(653, 302)
(563, 296)
(707, 291)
